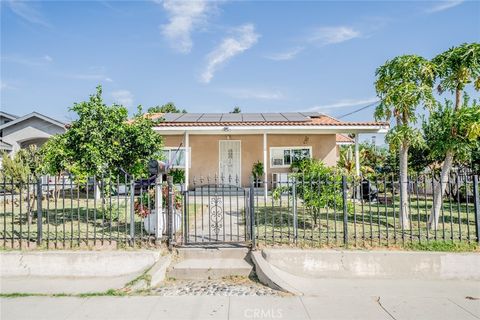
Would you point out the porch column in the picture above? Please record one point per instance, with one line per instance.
(265, 182)
(187, 159)
(357, 156)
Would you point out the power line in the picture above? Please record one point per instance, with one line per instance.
(358, 110)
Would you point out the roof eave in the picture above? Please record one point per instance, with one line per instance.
(31, 115)
(319, 129)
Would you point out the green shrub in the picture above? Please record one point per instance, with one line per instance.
(317, 185)
(178, 176)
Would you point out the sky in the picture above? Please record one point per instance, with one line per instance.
(205, 56)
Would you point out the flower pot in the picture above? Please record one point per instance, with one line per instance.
(150, 222)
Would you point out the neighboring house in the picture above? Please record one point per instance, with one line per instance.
(31, 129)
(228, 145)
(343, 140)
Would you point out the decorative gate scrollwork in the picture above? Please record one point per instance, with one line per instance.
(216, 214)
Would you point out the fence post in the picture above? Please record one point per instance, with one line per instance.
(158, 206)
(252, 212)
(184, 215)
(476, 202)
(345, 211)
(294, 208)
(170, 213)
(39, 211)
(132, 210)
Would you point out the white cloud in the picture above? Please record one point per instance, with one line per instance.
(90, 76)
(184, 17)
(123, 97)
(255, 94)
(344, 103)
(332, 35)
(27, 12)
(29, 61)
(244, 38)
(4, 85)
(444, 5)
(47, 58)
(92, 73)
(286, 55)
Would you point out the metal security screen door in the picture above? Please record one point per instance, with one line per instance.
(229, 159)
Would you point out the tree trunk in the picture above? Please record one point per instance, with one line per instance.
(404, 214)
(97, 190)
(441, 186)
(439, 191)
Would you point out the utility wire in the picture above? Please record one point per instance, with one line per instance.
(358, 110)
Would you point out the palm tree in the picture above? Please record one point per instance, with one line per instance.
(456, 68)
(403, 84)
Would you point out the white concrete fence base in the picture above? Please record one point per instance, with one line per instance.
(72, 271)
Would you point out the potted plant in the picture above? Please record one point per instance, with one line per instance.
(144, 207)
(257, 173)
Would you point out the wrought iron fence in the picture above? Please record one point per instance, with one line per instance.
(64, 212)
(342, 211)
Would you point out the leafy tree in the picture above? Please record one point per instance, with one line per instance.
(451, 131)
(319, 186)
(236, 110)
(54, 154)
(102, 142)
(371, 157)
(403, 84)
(22, 167)
(420, 158)
(456, 67)
(20, 173)
(346, 160)
(475, 161)
(169, 107)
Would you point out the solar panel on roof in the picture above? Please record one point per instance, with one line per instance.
(271, 117)
(232, 117)
(188, 117)
(240, 117)
(171, 116)
(294, 116)
(311, 114)
(210, 117)
(252, 117)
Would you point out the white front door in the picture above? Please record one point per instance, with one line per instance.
(229, 161)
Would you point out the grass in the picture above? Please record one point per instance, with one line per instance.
(67, 223)
(368, 225)
(109, 293)
(441, 246)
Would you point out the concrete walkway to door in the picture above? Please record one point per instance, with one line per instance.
(216, 218)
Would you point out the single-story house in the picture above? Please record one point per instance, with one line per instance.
(229, 144)
(31, 129)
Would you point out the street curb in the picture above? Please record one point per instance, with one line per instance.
(268, 276)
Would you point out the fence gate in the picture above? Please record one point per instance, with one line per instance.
(216, 213)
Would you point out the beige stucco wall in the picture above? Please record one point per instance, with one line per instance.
(205, 151)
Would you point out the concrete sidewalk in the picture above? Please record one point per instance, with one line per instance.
(327, 306)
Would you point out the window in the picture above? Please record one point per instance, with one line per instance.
(176, 157)
(282, 157)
